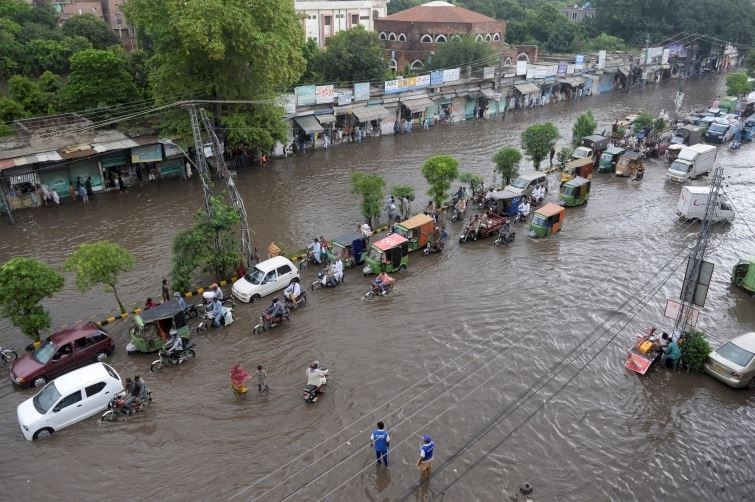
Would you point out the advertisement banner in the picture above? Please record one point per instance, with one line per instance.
(579, 62)
(677, 50)
(540, 73)
(407, 84)
(521, 67)
(601, 60)
(436, 77)
(305, 95)
(666, 54)
(344, 98)
(361, 91)
(451, 75)
(147, 153)
(423, 81)
(488, 72)
(391, 86)
(654, 55)
(561, 69)
(324, 94)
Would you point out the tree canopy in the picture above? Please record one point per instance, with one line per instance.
(460, 51)
(353, 55)
(537, 141)
(370, 187)
(91, 27)
(507, 163)
(440, 171)
(585, 125)
(100, 262)
(737, 84)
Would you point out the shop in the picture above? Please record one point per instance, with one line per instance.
(415, 109)
(370, 118)
(525, 95)
(327, 120)
(22, 191)
(306, 128)
(490, 100)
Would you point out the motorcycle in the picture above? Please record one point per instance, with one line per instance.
(300, 301)
(376, 291)
(208, 319)
(457, 215)
(638, 175)
(505, 235)
(116, 408)
(268, 322)
(434, 247)
(165, 358)
(521, 218)
(330, 283)
(468, 234)
(8, 355)
(313, 393)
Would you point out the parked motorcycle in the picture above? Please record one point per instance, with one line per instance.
(173, 359)
(268, 322)
(376, 291)
(313, 393)
(9, 355)
(117, 410)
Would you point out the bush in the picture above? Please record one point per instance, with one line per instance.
(695, 350)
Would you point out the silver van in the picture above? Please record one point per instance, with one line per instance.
(526, 182)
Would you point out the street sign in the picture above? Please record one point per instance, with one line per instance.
(672, 312)
(699, 292)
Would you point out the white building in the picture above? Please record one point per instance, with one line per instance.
(323, 19)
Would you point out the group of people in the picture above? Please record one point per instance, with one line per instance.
(380, 441)
(239, 377)
(134, 392)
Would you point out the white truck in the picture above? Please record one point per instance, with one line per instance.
(693, 161)
(693, 201)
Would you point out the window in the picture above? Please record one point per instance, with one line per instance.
(68, 400)
(393, 65)
(507, 62)
(523, 57)
(735, 354)
(382, 36)
(496, 37)
(478, 38)
(111, 372)
(392, 36)
(355, 19)
(270, 277)
(401, 37)
(327, 20)
(417, 65)
(96, 338)
(81, 342)
(488, 38)
(441, 38)
(426, 39)
(94, 389)
(284, 270)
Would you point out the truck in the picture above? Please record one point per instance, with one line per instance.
(687, 135)
(590, 147)
(692, 162)
(693, 201)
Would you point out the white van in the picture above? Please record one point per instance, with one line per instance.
(526, 182)
(68, 399)
(693, 201)
(693, 161)
(265, 278)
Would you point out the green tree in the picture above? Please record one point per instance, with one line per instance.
(100, 262)
(9, 111)
(399, 5)
(643, 120)
(49, 83)
(313, 58)
(471, 179)
(91, 27)
(460, 51)
(440, 171)
(24, 91)
(604, 42)
(401, 191)
(537, 140)
(98, 79)
(24, 283)
(750, 63)
(225, 50)
(585, 125)
(138, 67)
(353, 55)
(507, 163)
(695, 351)
(370, 187)
(737, 84)
(563, 156)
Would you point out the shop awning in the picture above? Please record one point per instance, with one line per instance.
(326, 119)
(488, 93)
(527, 88)
(624, 70)
(418, 105)
(24, 178)
(578, 80)
(108, 146)
(309, 123)
(6, 164)
(367, 113)
(77, 152)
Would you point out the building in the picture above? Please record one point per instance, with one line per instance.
(577, 14)
(322, 19)
(68, 8)
(411, 35)
(117, 21)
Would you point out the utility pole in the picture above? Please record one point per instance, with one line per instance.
(6, 205)
(201, 162)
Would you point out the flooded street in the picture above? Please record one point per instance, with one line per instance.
(510, 357)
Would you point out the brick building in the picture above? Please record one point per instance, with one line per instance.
(411, 35)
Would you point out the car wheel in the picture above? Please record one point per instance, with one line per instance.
(39, 381)
(254, 297)
(101, 356)
(42, 433)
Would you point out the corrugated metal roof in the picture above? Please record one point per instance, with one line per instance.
(108, 146)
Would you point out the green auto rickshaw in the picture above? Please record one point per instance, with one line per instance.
(609, 159)
(743, 274)
(348, 247)
(390, 253)
(574, 192)
(151, 328)
(547, 220)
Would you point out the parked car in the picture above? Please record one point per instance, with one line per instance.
(66, 350)
(266, 277)
(68, 399)
(733, 363)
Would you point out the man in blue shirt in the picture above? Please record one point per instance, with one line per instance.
(425, 461)
(380, 440)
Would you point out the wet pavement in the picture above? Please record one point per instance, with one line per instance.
(510, 357)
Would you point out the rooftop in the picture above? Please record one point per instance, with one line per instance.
(439, 12)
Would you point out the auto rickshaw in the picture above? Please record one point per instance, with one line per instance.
(547, 220)
(672, 152)
(417, 230)
(628, 164)
(747, 130)
(505, 203)
(743, 274)
(574, 192)
(609, 158)
(349, 247)
(390, 253)
(577, 167)
(151, 328)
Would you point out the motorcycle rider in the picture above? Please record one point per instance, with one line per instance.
(180, 300)
(276, 310)
(383, 281)
(328, 276)
(316, 376)
(293, 291)
(338, 270)
(218, 292)
(216, 311)
(461, 207)
(176, 344)
(135, 390)
(524, 209)
(315, 250)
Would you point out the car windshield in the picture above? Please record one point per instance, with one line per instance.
(255, 276)
(680, 166)
(539, 220)
(735, 354)
(581, 153)
(47, 397)
(520, 183)
(567, 190)
(44, 352)
(717, 128)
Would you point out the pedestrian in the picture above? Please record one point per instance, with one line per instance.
(380, 440)
(88, 186)
(673, 355)
(121, 185)
(256, 256)
(83, 194)
(261, 375)
(325, 141)
(166, 291)
(72, 191)
(425, 462)
(188, 170)
(78, 184)
(55, 197)
(552, 154)
(35, 203)
(239, 376)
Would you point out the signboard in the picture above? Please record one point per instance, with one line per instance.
(344, 98)
(361, 91)
(305, 95)
(666, 54)
(488, 72)
(521, 67)
(561, 72)
(147, 153)
(654, 55)
(601, 59)
(451, 75)
(698, 292)
(436, 77)
(540, 73)
(672, 312)
(402, 84)
(324, 94)
(677, 50)
(579, 62)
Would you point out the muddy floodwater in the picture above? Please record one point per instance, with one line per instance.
(511, 357)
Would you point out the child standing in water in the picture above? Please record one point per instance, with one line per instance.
(262, 380)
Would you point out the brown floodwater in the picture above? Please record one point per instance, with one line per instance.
(510, 357)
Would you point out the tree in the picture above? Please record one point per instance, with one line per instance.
(471, 179)
(537, 141)
(354, 55)
(370, 187)
(100, 262)
(507, 163)
(98, 79)
(91, 27)
(399, 5)
(401, 192)
(27, 94)
(460, 51)
(643, 120)
(313, 57)
(750, 63)
(585, 125)
(24, 283)
(737, 84)
(604, 42)
(440, 171)
(224, 50)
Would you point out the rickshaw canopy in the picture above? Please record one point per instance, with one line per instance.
(390, 242)
(613, 150)
(504, 195)
(577, 182)
(416, 221)
(167, 310)
(631, 155)
(550, 209)
(348, 238)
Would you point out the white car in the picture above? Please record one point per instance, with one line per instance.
(68, 399)
(733, 363)
(266, 277)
